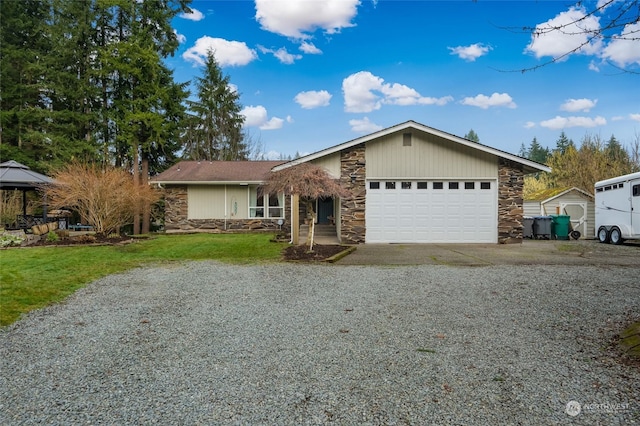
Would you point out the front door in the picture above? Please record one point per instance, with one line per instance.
(325, 210)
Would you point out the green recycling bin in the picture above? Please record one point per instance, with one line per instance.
(561, 226)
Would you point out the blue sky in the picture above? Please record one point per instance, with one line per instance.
(315, 73)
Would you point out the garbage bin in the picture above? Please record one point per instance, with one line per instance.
(527, 227)
(561, 226)
(542, 227)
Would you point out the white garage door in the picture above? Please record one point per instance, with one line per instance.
(431, 211)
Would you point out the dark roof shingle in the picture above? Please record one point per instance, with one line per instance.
(217, 171)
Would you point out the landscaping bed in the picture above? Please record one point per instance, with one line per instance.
(320, 252)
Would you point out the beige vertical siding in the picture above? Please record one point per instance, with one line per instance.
(238, 202)
(531, 208)
(331, 163)
(428, 157)
(208, 202)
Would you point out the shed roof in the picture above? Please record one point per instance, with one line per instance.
(528, 165)
(546, 195)
(203, 172)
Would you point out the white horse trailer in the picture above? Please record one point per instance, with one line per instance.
(618, 209)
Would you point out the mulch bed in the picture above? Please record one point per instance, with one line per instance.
(319, 253)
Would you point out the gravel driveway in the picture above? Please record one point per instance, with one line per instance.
(207, 343)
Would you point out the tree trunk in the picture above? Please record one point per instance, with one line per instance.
(146, 208)
(136, 183)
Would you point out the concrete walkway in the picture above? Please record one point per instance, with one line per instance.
(582, 252)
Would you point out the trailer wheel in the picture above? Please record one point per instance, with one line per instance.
(603, 235)
(615, 236)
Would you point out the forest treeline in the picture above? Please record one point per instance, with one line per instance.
(86, 80)
(580, 165)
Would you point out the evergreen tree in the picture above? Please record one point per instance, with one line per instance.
(23, 108)
(615, 151)
(536, 152)
(215, 124)
(524, 152)
(472, 136)
(563, 143)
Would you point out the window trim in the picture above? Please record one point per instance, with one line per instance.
(266, 206)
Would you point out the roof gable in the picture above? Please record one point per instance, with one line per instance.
(200, 172)
(528, 165)
(546, 195)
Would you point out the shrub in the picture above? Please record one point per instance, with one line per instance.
(7, 240)
(105, 198)
(52, 237)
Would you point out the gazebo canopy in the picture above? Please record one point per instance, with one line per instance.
(14, 175)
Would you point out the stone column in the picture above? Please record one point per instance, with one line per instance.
(510, 208)
(175, 207)
(352, 209)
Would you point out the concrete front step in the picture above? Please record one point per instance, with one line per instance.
(328, 230)
(323, 234)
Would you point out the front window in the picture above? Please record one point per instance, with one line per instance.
(265, 205)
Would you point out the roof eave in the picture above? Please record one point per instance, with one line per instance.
(207, 182)
(529, 166)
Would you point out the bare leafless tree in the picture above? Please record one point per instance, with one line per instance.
(106, 198)
(607, 21)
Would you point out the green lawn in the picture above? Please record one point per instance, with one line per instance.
(33, 277)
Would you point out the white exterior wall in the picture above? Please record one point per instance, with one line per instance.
(428, 157)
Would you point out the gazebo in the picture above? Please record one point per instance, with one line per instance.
(16, 176)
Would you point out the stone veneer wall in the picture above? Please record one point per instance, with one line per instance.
(352, 209)
(510, 208)
(176, 216)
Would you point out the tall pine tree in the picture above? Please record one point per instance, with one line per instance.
(215, 124)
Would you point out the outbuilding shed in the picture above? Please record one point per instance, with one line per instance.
(575, 202)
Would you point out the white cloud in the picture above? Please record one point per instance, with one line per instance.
(195, 15)
(281, 54)
(594, 67)
(289, 119)
(180, 37)
(635, 117)
(359, 96)
(256, 116)
(529, 125)
(272, 155)
(624, 49)
(495, 100)
(233, 87)
(227, 53)
(470, 53)
(567, 31)
(313, 99)
(297, 19)
(573, 105)
(310, 48)
(273, 123)
(364, 126)
(566, 122)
